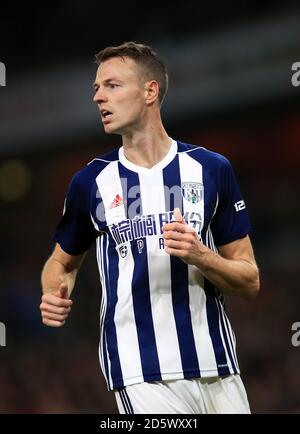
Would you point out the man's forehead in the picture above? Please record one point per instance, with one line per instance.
(116, 67)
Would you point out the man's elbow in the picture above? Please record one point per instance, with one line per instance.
(253, 286)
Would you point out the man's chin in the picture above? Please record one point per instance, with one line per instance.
(109, 129)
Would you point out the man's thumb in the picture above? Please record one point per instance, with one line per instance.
(177, 215)
(180, 219)
(63, 290)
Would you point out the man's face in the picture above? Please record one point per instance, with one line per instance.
(119, 94)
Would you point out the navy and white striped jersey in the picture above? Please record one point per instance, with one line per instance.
(160, 319)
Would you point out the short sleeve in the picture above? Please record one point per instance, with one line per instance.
(75, 232)
(231, 220)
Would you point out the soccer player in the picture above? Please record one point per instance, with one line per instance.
(172, 238)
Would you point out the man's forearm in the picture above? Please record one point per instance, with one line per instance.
(230, 276)
(54, 273)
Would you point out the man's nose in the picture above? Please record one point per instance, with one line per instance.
(100, 96)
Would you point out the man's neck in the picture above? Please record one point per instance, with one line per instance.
(147, 148)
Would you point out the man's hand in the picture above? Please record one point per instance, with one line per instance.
(56, 306)
(181, 240)
(233, 271)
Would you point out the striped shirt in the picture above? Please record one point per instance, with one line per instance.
(160, 319)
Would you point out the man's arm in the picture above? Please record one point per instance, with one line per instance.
(58, 280)
(233, 270)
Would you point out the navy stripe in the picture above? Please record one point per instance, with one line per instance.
(111, 277)
(229, 330)
(102, 301)
(141, 288)
(123, 401)
(180, 282)
(209, 193)
(225, 337)
(97, 207)
(110, 156)
(220, 310)
(214, 330)
(128, 401)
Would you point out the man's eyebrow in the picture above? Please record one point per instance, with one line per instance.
(107, 81)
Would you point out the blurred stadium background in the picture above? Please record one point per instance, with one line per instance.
(230, 91)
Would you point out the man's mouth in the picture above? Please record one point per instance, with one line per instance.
(105, 114)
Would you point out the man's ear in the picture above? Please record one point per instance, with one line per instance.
(151, 91)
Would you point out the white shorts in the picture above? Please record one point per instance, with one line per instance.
(196, 396)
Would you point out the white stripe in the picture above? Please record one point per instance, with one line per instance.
(123, 401)
(96, 225)
(191, 150)
(191, 171)
(207, 238)
(203, 342)
(102, 346)
(211, 241)
(109, 185)
(159, 267)
(100, 159)
(125, 321)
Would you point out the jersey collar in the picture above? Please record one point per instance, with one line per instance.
(159, 166)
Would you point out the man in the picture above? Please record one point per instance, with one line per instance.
(171, 233)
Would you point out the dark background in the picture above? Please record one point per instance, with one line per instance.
(230, 91)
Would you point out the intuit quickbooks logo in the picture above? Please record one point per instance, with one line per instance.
(2, 335)
(2, 74)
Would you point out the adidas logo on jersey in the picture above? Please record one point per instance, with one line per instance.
(116, 202)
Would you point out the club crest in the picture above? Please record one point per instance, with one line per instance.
(192, 191)
(123, 251)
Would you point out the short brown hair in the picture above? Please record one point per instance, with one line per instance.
(153, 67)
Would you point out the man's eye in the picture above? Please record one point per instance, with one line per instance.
(112, 85)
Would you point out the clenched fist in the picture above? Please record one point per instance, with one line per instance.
(56, 306)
